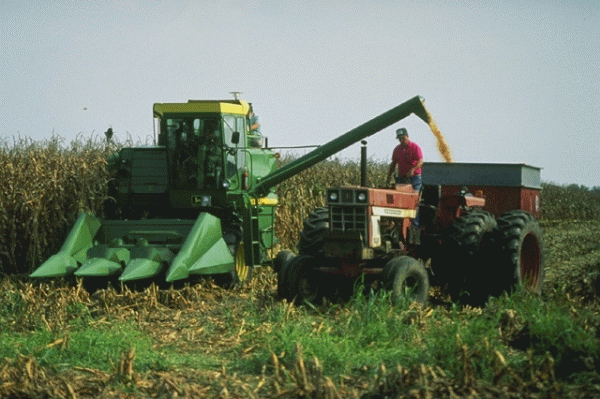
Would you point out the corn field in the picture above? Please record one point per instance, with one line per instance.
(570, 203)
(46, 184)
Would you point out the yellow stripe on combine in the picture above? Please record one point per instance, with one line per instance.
(265, 201)
(239, 107)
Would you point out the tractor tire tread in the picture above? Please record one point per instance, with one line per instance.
(311, 237)
(404, 268)
(508, 239)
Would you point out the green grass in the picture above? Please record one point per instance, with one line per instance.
(84, 345)
(370, 332)
(353, 339)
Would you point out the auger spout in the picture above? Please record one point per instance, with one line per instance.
(413, 106)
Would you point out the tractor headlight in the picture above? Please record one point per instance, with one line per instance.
(361, 196)
(226, 184)
(201, 200)
(205, 200)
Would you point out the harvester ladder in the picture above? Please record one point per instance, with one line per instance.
(255, 234)
(251, 229)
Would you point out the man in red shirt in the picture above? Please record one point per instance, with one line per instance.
(409, 159)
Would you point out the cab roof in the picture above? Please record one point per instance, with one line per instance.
(238, 107)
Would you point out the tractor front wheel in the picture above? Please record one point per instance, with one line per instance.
(407, 279)
(281, 259)
(301, 280)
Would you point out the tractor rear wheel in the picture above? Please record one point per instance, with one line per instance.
(407, 278)
(301, 280)
(280, 265)
(462, 255)
(311, 237)
(517, 254)
(282, 258)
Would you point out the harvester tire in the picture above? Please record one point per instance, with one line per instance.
(301, 282)
(407, 278)
(517, 254)
(311, 237)
(241, 272)
(459, 262)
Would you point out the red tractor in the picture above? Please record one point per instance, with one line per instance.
(474, 245)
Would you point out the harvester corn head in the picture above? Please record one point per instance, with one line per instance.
(200, 202)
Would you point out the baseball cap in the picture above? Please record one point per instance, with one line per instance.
(401, 132)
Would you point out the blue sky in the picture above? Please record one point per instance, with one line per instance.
(506, 81)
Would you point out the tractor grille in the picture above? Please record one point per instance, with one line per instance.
(349, 218)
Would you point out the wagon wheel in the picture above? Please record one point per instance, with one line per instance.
(517, 254)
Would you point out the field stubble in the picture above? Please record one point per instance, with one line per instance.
(57, 340)
(203, 341)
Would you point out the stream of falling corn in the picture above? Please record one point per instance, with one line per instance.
(442, 146)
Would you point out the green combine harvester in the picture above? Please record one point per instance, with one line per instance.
(201, 202)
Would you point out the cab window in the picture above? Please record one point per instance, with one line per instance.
(235, 158)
